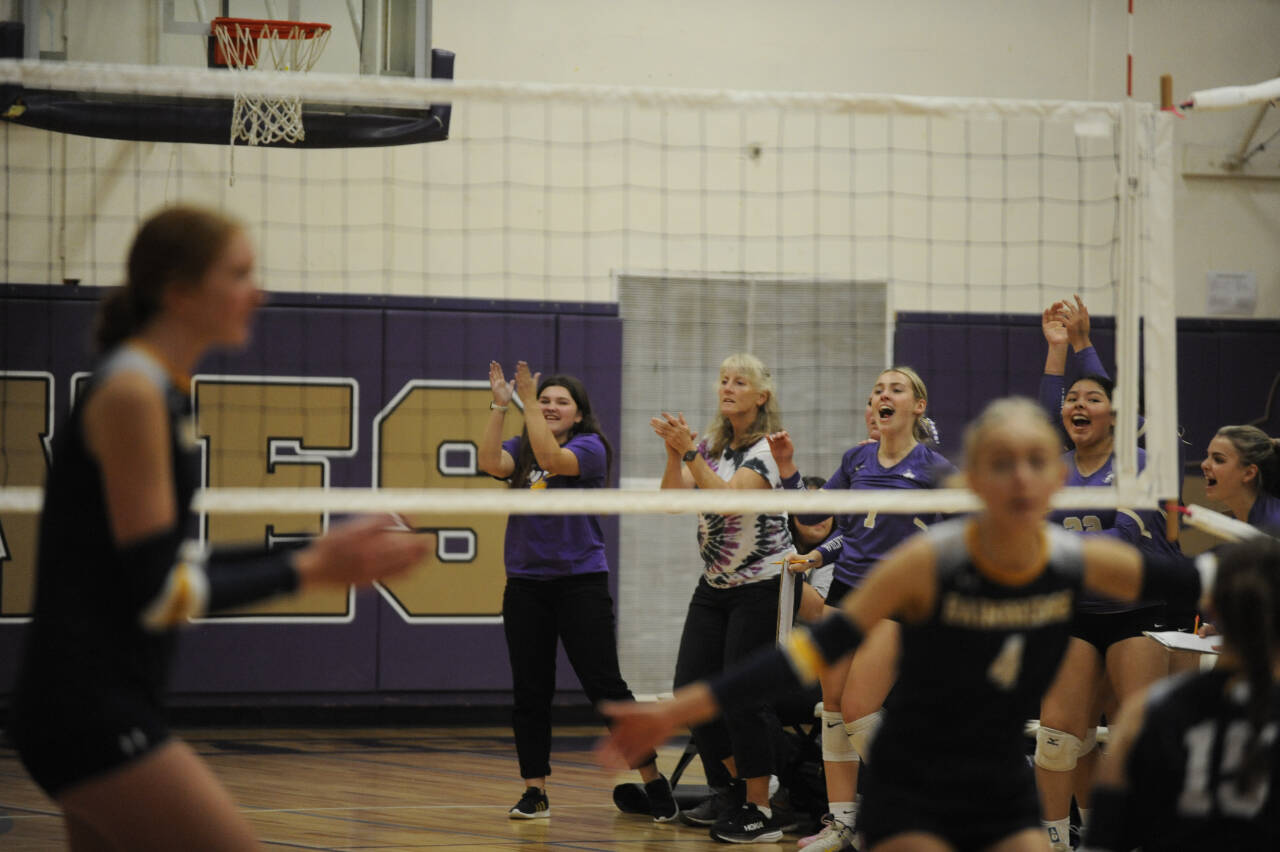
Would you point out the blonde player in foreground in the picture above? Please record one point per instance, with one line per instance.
(985, 605)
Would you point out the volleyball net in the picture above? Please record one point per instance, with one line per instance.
(633, 237)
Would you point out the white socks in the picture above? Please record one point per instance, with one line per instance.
(846, 812)
(1059, 831)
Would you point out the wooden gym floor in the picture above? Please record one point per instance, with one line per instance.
(393, 789)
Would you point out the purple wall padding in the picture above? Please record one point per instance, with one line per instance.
(1225, 371)
(1226, 368)
(381, 344)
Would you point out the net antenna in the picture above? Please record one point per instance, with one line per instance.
(1227, 97)
(1218, 524)
(245, 44)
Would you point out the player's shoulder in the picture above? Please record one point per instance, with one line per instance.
(932, 460)
(948, 542)
(858, 454)
(585, 441)
(758, 448)
(124, 394)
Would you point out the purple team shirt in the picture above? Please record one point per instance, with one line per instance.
(1143, 528)
(544, 547)
(865, 538)
(1265, 513)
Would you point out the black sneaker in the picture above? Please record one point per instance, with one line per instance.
(662, 805)
(747, 825)
(721, 801)
(532, 805)
(787, 819)
(631, 798)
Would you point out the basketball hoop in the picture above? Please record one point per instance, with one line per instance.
(247, 43)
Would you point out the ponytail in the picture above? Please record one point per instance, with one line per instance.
(175, 246)
(1257, 448)
(117, 319)
(926, 432)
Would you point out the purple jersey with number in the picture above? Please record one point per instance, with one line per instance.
(543, 547)
(1142, 528)
(1265, 514)
(866, 538)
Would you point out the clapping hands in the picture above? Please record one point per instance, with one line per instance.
(674, 432)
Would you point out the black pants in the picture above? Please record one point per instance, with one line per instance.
(578, 611)
(722, 627)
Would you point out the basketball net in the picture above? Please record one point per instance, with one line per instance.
(245, 44)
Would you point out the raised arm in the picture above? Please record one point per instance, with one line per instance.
(1055, 361)
(675, 474)
(551, 457)
(784, 452)
(490, 457)
(1085, 360)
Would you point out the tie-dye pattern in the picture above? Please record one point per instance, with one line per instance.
(738, 549)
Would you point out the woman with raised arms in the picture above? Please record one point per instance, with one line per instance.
(557, 587)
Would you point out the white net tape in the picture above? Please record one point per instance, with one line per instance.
(621, 501)
(366, 90)
(260, 119)
(947, 204)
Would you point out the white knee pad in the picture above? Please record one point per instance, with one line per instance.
(862, 731)
(1057, 750)
(1090, 742)
(836, 747)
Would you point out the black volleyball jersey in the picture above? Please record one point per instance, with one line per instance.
(1182, 769)
(973, 672)
(85, 639)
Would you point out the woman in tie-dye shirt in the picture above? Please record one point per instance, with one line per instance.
(735, 605)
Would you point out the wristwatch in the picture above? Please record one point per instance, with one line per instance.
(689, 456)
(493, 406)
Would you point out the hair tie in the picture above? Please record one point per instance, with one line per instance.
(932, 429)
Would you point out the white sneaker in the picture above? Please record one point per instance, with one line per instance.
(805, 841)
(834, 837)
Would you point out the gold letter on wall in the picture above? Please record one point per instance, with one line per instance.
(426, 438)
(263, 432)
(26, 427)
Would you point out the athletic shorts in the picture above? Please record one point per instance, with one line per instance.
(65, 740)
(964, 818)
(839, 588)
(1184, 620)
(1104, 629)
